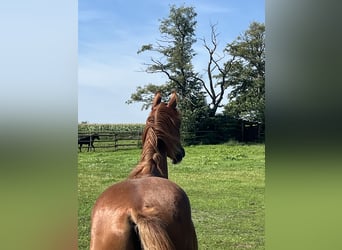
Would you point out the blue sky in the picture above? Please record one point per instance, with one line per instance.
(111, 33)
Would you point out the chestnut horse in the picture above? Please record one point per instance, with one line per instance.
(148, 211)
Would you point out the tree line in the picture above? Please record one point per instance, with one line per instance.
(235, 75)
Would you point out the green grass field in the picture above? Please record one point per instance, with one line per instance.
(225, 185)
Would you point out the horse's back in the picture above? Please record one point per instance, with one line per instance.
(121, 208)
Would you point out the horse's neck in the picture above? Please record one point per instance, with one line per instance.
(153, 162)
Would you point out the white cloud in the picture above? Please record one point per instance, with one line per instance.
(114, 71)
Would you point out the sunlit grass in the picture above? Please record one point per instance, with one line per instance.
(225, 184)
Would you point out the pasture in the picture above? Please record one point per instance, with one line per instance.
(225, 184)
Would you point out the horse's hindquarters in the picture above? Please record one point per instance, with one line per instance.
(166, 203)
(155, 202)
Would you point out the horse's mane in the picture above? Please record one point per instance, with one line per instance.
(165, 122)
(161, 132)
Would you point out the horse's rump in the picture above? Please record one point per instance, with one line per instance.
(154, 208)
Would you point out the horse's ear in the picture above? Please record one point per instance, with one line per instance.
(173, 100)
(157, 99)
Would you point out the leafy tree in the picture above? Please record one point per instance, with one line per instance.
(247, 75)
(241, 67)
(175, 47)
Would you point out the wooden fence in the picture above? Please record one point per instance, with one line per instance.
(111, 140)
(242, 131)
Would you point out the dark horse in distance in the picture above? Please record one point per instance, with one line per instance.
(147, 211)
(88, 140)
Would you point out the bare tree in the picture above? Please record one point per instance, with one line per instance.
(217, 72)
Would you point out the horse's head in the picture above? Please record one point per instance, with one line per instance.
(96, 136)
(165, 121)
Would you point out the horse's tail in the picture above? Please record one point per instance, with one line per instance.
(152, 233)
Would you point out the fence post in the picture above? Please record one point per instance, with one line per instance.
(115, 140)
(140, 132)
(242, 131)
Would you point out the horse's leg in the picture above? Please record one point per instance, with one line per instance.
(80, 147)
(192, 243)
(92, 145)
